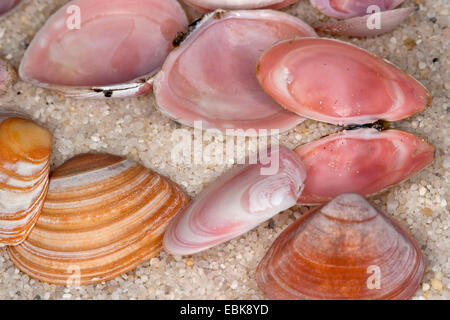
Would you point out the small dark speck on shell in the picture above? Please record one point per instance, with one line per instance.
(271, 224)
(179, 39)
(108, 93)
(433, 19)
(219, 14)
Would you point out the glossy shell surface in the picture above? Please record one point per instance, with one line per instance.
(210, 77)
(237, 202)
(103, 216)
(363, 161)
(24, 169)
(346, 249)
(113, 51)
(336, 82)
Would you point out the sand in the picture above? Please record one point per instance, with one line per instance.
(135, 129)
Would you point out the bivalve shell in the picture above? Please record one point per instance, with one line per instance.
(7, 5)
(103, 48)
(24, 168)
(237, 202)
(336, 82)
(363, 161)
(344, 250)
(210, 76)
(103, 216)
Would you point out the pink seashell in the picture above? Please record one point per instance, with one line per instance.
(7, 5)
(358, 27)
(336, 82)
(119, 46)
(211, 75)
(237, 202)
(343, 9)
(363, 161)
(211, 5)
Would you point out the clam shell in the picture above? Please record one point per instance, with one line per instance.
(336, 82)
(103, 216)
(216, 83)
(211, 5)
(344, 9)
(363, 161)
(344, 250)
(119, 46)
(237, 202)
(7, 5)
(24, 167)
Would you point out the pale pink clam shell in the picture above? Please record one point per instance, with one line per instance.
(7, 5)
(237, 202)
(120, 44)
(364, 161)
(211, 75)
(336, 82)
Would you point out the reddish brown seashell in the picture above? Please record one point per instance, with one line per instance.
(344, 250)
(363, 161)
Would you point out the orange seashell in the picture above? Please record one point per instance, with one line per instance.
(345, 249)
(24, 167)
(103, 216)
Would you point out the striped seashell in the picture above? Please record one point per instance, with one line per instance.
(24, 168)
(103, 216)
(346, 249)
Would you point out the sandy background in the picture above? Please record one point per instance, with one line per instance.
(135, 129)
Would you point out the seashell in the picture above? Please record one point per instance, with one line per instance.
(24, 167)
(343, 9)
(103, 216)
(82, 62)
(211, 5)
(8, 76)
(336, 82)
(237, 202)
(358, 26)
(7, 5)
(363, 161)
(192, 87)
(346, 249)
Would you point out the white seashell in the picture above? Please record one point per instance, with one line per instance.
(237, 202)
